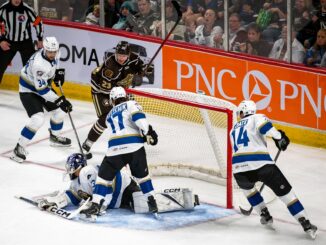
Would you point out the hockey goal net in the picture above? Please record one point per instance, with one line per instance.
(193, 135)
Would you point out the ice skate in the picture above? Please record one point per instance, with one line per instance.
(152, 206)
(59, 140)
(266, 219)
(196, 203)
(86, 147)
(19, 154)
(309, 228)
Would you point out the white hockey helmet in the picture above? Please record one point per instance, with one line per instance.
(247, 107)
(50, 44)
(116, 93)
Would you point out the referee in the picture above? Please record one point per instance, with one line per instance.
(17, 18)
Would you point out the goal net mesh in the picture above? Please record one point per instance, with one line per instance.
(192, 131)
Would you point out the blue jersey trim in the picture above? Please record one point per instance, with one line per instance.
(32, 88)
(295, 208)
(138, 115)
(255, 199)
(251, 157)
(117, 190)
(125, 140)
(265, 128)
(56, 126)
(27, 133)
(72, 198)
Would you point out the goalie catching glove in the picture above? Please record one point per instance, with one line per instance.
(283, 142)
(151, 137)
(59, 77)
(44, 204)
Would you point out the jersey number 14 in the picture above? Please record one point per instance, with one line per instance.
(241, 139)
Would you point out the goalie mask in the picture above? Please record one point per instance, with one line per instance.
(75, 162)
(247, 107)
(117, 93)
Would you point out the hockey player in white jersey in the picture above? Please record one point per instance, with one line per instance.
(129, 130)
(126, 192)
(251, 162)
(36, 93)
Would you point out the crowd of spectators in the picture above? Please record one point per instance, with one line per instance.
(256, 27)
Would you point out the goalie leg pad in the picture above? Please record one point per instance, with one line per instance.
(167, 200)
(61, 200)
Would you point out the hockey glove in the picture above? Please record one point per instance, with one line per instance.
(59, 76)
(83, 195)
(64, 104)
(283, 142)
(137, 80)
(126, 82)
(151, 137)
(148, 70)
(44, 204)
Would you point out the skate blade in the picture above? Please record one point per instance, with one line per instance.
(157, 216)
(88, 218)
(58, 145)
(312, 234)
(269, 225)
(17, 159)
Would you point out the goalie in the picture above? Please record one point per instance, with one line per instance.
(126, 192)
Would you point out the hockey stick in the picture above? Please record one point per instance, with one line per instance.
(177, 8)
(88, 156)
(248, 212)
(57, 211)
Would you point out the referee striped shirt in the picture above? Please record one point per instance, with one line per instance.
(18, 22)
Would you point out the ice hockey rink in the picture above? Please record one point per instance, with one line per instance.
(22, 223)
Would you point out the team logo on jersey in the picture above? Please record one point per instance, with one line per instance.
(108, 73)
(257, 87)
(21, 18)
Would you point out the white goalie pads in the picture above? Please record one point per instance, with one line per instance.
(167, 200)
(60, 199)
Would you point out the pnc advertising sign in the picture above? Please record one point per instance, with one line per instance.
(283, 94)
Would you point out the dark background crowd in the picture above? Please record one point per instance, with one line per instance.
(256, 27)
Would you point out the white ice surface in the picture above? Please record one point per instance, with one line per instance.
(21, 223)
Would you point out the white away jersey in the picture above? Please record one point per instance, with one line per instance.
(125, 122)
(86, 183)
(36, 76)
(249, 143)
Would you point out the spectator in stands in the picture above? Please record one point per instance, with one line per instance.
(237, 33)
(112, 9)
(317, 51)
(93, 18)
(125, 10)
(142, 22)
(79, 9)
(171, 18)
(208, 34)
(193, 10)
(277, 10)
(323, 61)
(190, 24)
(54, 9)
(255, 45)
(281, 52)
(247, 13)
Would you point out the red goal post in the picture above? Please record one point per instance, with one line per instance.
(193, 132)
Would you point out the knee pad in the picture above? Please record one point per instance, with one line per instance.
(57, 116)
(36, 121)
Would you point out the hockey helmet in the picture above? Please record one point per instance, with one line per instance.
(75, 162)
(116, 93)
(50, 44)
(247, 107)
(122, 47)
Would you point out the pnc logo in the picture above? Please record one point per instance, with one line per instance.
(256, 86)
